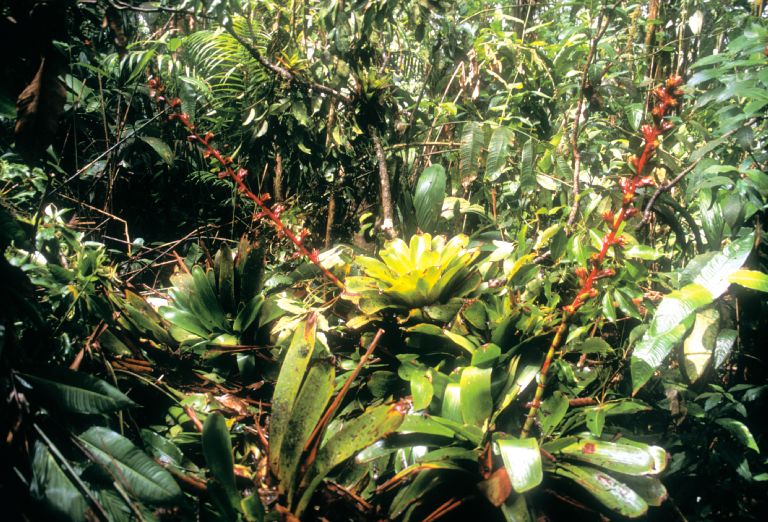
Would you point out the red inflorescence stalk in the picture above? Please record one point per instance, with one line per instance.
(157, 90)
(667, 98)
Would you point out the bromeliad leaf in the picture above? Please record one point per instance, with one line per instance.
(613, 494)
(476, 399)
(522, 460)
(624, 458)
(217, 449)
(354, 436)
(292, 373)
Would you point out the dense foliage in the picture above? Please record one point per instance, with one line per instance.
(383, 260)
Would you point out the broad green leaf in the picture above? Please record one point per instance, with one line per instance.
(596, 420)
(715, 273)
(473, 434)
(552, 412)
(160, 147)
(740, 431)
(613, 494)
(161, 448)
(476, 399)
(51, 486)
(355, 435)
(522, 460)
(421, 391)
(750, 279)
(651, 352)
(428, 197)
(642, 252)
(217, 450)
(723, 346)
(420, 423)
(141, 476)
(624, 458)
(77, 392)
(710, 279)
(594, 345)
(291, 376)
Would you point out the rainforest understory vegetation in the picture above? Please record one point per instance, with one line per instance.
(409, 260)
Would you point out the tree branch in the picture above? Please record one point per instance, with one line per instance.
(387, 221)
(284, 73)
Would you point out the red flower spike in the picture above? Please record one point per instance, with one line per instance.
(625, 184)
(629, 212)
(674, 81)
(645, 181)
(593, 292)
(241, 173)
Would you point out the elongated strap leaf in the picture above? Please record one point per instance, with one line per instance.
(624, 458)
(307, 411)
(613, 494)
(354, 436)
(225, 278)
(132, 468)
(289, 381)
(78, 392)
(217, 449)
